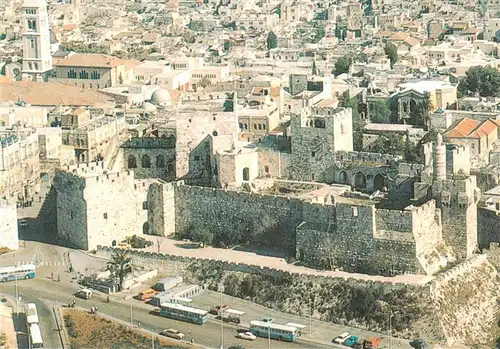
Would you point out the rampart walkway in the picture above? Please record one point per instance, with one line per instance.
(180, 248)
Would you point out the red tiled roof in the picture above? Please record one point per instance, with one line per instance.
(470, 128)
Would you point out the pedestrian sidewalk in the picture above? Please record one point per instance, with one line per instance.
(7, 326)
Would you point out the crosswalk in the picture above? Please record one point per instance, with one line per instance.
(44, 263)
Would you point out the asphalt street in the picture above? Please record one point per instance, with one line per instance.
(208, 334)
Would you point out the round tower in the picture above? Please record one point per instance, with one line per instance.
(439, 158)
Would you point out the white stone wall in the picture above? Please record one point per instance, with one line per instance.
(8, 225)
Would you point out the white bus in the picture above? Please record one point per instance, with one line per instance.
(273, 331)
(35, 337)
(18, 272)
(31, 314)
(184, 313)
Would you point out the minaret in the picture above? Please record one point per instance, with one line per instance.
(439, 159)
(37, 60)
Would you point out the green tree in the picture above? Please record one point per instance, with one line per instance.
(380, 113)
(484, 81)
(388, 144)
(314, 69)
(204, 82)
(120, 266)
(202, 235)
(272, 40)
(342, 65)
(392, 53)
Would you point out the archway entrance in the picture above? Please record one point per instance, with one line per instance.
(343, 177)
(246, 174)
(378, 182)
(145, 228)
(360, 180)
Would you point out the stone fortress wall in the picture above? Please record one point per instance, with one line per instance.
(89, 213)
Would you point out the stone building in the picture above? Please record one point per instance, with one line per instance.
(94, 71)
(150, 157)
(19, 164)
(317, 133)
(488, 218)
(92, 132)
(8, 225)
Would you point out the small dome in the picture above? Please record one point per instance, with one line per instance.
(161, 97)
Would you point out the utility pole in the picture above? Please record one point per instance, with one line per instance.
(390, 329)
(152, 341)
(131, 319)
(269, 335)
(221, 318)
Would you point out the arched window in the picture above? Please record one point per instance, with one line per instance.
(145, 161)
(132, 162)
(260, 126)
(160, 161)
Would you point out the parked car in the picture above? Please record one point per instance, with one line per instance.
(146, 294)
(216, 310)
(173, 333)
(350, 341)
(360, 344)
(84, 293)
(372, 343)
(239, 346)
(340, 339)
(247, 335)
(418, 344)
(267, 319)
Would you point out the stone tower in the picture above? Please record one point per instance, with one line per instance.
(37, 61)
(319, 132)
(457, 197)
(439, 159)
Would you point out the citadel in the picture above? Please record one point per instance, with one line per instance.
(355, 140)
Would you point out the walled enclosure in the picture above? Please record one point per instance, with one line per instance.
(349, 233)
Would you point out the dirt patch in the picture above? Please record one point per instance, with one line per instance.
(88, 331)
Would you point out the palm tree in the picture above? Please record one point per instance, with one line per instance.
(120, 266)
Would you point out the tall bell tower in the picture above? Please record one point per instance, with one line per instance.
(37, 60)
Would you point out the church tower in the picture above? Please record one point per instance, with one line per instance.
(37, 60)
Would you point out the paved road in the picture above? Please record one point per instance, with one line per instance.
(207, 334)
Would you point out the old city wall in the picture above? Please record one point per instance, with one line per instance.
(350, 236)
(235, 217)
(71, 209)
(161, 209)
(488, 224)
(458, 202)
(466, 298)
(109, 219)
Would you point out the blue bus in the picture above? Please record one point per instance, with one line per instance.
(183, 313)
(17, 272)
(273, 331)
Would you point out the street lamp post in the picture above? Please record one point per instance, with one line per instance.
(131, 319)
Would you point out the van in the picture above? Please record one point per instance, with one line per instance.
(372, 343)
(146, 294)
(84, 293)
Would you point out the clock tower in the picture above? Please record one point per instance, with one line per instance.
(37, 60)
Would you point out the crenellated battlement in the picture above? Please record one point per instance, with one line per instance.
(355, 156)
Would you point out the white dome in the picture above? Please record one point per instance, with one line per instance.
(149, 107)
(161, 97)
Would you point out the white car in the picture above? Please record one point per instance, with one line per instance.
(342, 338)
(247, 335)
